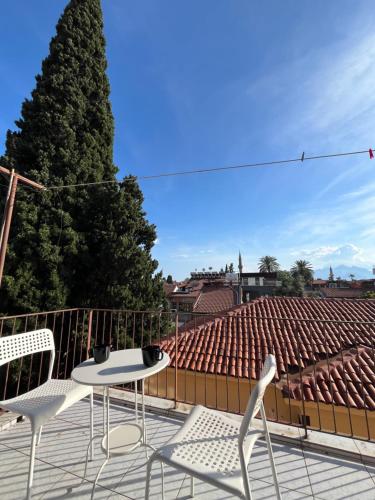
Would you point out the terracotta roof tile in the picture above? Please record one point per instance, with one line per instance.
(214, 298)
(168, 288)
(237, 342)
(347, 379)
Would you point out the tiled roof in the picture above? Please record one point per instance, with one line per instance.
(214, 298)
(168, 288)
(192, 289)
(206, 297)
(318, 281)
(347, 379)
(342, 293)
(237, 342)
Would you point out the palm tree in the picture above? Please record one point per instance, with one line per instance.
(268, 264)
(304, 269)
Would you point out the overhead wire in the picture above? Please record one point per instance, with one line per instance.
(300, 159)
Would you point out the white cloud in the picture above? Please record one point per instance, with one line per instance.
(336, 220)
(348, 253)
(344, 88)
(338, 98)
(349, 175)
(360, 192)
(183, 256)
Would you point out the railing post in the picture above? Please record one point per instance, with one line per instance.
(89, 330)
(175, 360)
(300, 368)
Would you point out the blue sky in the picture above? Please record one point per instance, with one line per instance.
(203, 84)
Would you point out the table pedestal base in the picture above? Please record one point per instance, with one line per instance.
(122, 367)
(123, 439)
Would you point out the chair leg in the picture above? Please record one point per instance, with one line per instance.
(192, 486)
(92, 425)
(31, 465)
(270, 453)
(148, 479)
(39, 436)
(162, 480)
(248, 494)
(245, 474)
(273, 467)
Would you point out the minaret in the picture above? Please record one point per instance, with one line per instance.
(331, 276)
(240, 269)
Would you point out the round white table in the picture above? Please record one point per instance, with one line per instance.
(122, 367)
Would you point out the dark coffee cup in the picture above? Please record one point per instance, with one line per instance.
(101, 353)
(151, 355)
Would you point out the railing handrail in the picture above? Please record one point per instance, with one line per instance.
(3, 316)
(209, 316)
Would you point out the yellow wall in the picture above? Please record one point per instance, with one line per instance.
(345, 421)
(231, 394)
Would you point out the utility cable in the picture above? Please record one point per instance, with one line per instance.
(300, 159)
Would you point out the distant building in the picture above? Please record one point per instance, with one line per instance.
(203, 293)
(341, 293)
(367, 285)
(318, 284)
(254, 285)
(343, 289)
(169, 287)
(207, 275)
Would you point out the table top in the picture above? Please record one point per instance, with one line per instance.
(121, 367)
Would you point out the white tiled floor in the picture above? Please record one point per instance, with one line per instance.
(60, 463)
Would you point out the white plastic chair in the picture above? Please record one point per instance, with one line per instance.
(47, 400)
(216, 448)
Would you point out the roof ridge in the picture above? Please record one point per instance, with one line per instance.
(198, 299)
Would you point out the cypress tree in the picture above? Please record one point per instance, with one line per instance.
(120, 262)
(83, 246)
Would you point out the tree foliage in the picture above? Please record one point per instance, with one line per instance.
(302, 269)
(268, 264)
(81, 246)
(291, 286)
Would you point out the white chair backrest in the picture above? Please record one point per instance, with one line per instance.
(22, 344)
(256, 398)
